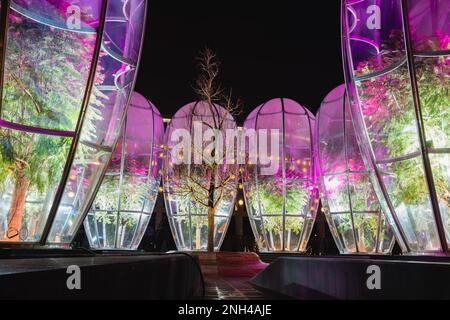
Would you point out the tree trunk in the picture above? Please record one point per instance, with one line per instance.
(211, 209)
(361, 234)
(211, 213)
(288, 242)
(105, 238)
(198, 237)
(16, 210)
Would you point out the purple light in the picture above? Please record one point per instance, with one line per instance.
(282, 207)
(397, 100)
(63, 108)
(349, 201)
(124, 204)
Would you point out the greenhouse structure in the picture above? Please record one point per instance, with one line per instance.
(110, 191)
(282, 206)
(61, 107)
(124, 203)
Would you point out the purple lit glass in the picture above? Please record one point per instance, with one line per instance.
(397, 58)
(124, 204)
(188, 215)
(349, 201)
(68, 75)
(282, 207)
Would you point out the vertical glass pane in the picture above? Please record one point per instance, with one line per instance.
(367, 228)
(108, 195)
(407, 188)
(386, 240)
(127, 225)
(47, 64)
(273, 228)
(336, 192)
(388, 111)
(440, 164)
(362, 194)
(343, 223)
(294, 227)
(141, 227)
(86, 172)
(433, 76)
(181, 230)
(31, 166)
(101, 228)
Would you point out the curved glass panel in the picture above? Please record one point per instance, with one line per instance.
(58, 110)
(192, 180)
(124, 204)
(350, 203)
(406, 139)
(282, 203)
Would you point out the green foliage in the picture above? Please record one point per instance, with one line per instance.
(271, 201)
(133, 195)
(391, 120)
(45, 78)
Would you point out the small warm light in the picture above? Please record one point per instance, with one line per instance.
(161, 155)
(161, 189)
(241, 186)
(71, 195)
(241, 202)
(73, 177)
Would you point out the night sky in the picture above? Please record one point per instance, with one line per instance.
(268, 49)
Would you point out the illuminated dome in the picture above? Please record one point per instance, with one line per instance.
(67, 71)
(282, 203)
(187, 176)
(397, 57)
(124, 204)
(349, 200)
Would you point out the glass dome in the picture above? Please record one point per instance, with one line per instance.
(67, 69)
(349, 201)
(124, 204)
(187, 176)
(282, 207)
(397, 56)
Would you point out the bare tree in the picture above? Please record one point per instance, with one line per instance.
(207, 183)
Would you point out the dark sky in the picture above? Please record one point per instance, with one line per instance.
(268, 49)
